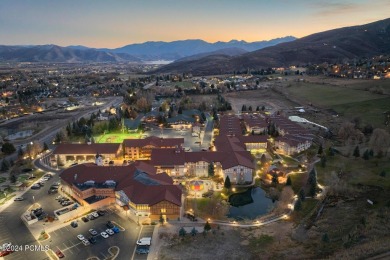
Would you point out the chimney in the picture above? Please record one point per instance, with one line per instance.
(75, 176)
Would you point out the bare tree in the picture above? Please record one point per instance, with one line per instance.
(380, 141)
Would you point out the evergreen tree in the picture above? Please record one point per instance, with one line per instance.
(366, 155)
(262, 108)
(263, 159)
(325, 238)
(356, 152)
(4, 165)
(45, 146)
(288, 182)
(182, 232)
(250, 108)
(227, 183)
(298, 205)
(20, 152)
(8, 148)
(331, 151)
(323, 161)
(211, 169)
(13, 178)
(161, 219)
(180, 111)
(313, 189)
(207, 227)
(257, 108)
(243, 109)
(320, 149)
(275, 179)
(302, 194)
(194, 231)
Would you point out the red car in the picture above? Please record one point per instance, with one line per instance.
(59, 254)
(5, 252)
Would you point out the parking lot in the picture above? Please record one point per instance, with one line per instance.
(146, 231)
(65, 239)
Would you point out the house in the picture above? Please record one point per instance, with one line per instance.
(132, 125)
(255, 123)
(289, 145)
(181, 121)
(135, 187)
(140, 149)
(87, 152)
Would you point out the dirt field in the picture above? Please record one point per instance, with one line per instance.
(261, 97)
(223, 243)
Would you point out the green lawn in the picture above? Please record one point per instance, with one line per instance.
(298, 180)
(117, 137)
(307, 207)
(370, 111)
(357, 170)
(329, 96)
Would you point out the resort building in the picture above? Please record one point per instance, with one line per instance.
(140, 149)
(135, 187)
(86, 152)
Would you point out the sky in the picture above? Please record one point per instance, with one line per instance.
(111, 24)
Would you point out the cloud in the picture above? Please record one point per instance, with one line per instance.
(331, 8)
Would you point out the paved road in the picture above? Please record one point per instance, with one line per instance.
(13, 230)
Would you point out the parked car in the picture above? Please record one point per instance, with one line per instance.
(110, 232)
(80, 237)
(95, 214)
(86, 242)
(109, 224)
(74, 224)
(145, 241)
(90, 217)
(111, 162)
(101, 212)
(18, 199)
(51, 191)
(104, 234)
(142, 250)
(92, 240)
(35, 187)
(115, 229)
(84, 219)
(59, 254)
(93, 232)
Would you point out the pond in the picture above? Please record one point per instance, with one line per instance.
(249, 204)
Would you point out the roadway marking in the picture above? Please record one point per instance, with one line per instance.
(135, 248)
(103, 255)
(120, 227)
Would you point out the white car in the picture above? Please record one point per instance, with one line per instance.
(45, 178)
(110, 232)
(80, 237)
(18, 199)
(95, 214)
(104, 234)
(86, 242)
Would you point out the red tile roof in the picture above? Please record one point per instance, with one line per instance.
(154, 141)
(139, 181)
(87, 148)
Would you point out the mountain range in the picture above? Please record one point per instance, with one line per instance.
(134, 52)
(331, 46)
